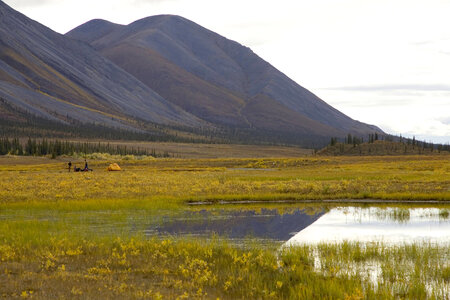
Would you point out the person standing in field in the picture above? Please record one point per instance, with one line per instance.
(86, 165)
(70, 165)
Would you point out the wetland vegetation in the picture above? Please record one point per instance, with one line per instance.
(146, 182)
(56, 243)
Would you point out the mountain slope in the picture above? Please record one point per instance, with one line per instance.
(162, 70)
(214, 78)
(53, 76)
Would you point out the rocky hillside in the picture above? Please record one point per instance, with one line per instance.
(161, 73)
(214, 78)
(56, 77)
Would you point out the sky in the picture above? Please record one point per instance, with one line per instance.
(382, 62)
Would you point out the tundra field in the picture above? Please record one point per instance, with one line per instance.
(53, 246)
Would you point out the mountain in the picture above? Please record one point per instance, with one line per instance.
(215, 79)
(48, 75)
(162, 75)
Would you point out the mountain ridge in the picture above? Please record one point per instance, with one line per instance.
(225, 64)
(158, 71)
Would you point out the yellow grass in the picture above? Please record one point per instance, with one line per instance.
(135, 268)
(181, 180)
(48, 252)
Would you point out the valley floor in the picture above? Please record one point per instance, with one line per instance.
(145, 181)
(43, 257)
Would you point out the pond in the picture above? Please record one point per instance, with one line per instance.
(300, 223)
(310, 225)
(236, 224)
(390, 225)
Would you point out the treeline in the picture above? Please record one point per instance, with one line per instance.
(355, 140)
(36, 127)
(16, 122)
(34, 147)
(373, 137)
(25, 124)
(377, 144)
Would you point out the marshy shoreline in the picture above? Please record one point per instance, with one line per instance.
(56, 243)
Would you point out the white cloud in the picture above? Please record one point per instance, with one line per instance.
(24, 4)
(397, 113)
(444, 120)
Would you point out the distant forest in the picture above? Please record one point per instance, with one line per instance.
(17, 123)
(56, 148)
(376, 144)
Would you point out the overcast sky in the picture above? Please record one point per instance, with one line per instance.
(383, 62)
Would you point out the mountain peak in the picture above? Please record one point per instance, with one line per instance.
(160, 19)
(171, 23)
(220, 80)
(93, 30)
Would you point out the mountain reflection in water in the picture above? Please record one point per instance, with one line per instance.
(236, 224)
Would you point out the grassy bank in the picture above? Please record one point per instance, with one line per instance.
(134, 268)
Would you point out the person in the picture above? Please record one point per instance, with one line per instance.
(70, 165)
(75, 169)
(86, 168)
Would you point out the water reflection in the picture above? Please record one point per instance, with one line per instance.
(236, 224)
(298, 223)
(389, 225)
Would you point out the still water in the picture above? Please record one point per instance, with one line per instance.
(389, 225)
(312, 226)
(236, 224)
(290, 224)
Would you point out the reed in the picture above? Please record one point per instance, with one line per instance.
(134, 267)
